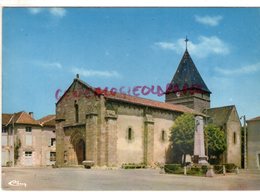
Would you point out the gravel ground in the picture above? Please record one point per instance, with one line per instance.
(120, 179)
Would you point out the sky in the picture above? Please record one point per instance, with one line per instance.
(44, 48)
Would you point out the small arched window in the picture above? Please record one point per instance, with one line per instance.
(130, 133)
(163, 135)
(234, 137)
(76, 111)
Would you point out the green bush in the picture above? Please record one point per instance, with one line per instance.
(218, 169)
(195, 171)
(133, 165)
(204, 168)
(172, 168)
(230, 167)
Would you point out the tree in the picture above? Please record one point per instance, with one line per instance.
(215, 141)
(182, 135)
(17, 146)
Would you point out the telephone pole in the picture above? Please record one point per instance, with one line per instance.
(245, 141)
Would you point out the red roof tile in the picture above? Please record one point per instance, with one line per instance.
(20, 118)
(48, 120)
(151, 103)
(140, 101)
(25, 118)
(6, 118)
(255, 119)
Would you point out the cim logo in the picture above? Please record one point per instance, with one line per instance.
(16, 183)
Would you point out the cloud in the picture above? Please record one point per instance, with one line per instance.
(208, 20)
(166, 45)
(206, 46)
(247, 69)
(55, 64)
(57, 12)
(94, 73)
(50, 65)
(35, 11)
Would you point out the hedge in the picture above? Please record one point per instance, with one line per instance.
(172, 168)
(133, 166)
(230, 167)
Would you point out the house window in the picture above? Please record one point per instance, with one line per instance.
(234, 138)
(28, 140)
(4, 130)
(52, 156)
(258, 160)
(53, 142)
(130, 133)
(163, 135)
(28, 129)
(28, 153)
(76, 112)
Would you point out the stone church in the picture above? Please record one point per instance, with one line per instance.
(112, 129)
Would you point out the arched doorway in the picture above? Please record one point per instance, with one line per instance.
(80, 151)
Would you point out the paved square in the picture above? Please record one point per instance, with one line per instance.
(120, 179)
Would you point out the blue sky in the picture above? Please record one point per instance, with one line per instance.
(43, 49)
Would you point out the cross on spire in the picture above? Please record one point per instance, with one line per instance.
(186, 40)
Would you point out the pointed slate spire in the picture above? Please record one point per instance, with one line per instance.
(188, 75)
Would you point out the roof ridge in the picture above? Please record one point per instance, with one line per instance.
(12, 116)
(74, 80)
(154, 101)
(20, 115)
(222, 107)
(51, 118)
(257, 118)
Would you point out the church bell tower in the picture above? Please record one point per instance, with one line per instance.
(187, 86)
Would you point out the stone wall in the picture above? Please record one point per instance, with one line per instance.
(106, 124)
(130, 150)
(111, 138)
(65, 108)
(233, 132)
(47, 134)
(201, 102)
(161, 146)
(72, 136)
(253, 144)
(197, 101)
(7, 147)
(30, 142)
(147, 145)
(66, 115)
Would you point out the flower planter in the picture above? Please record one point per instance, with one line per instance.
(88, 164)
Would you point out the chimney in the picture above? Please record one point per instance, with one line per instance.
(31, 114)
(77, 76)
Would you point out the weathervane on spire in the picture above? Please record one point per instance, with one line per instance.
(186, 40)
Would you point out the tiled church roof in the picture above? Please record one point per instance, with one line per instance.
(219, 115)
(151, 103)
(188, 73)
(138, 100)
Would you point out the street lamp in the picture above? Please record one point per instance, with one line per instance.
(245, 151)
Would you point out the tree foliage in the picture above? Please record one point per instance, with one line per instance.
(17, 146)
(182, 135)
(215, 140)
(182, 138)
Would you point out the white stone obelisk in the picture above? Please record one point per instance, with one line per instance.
(199, 146)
